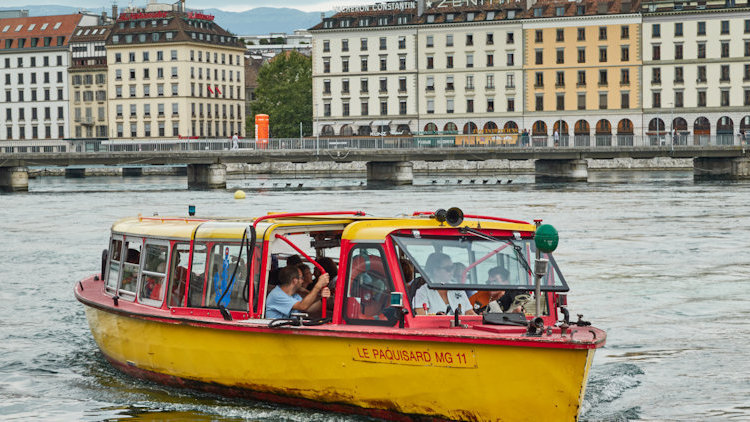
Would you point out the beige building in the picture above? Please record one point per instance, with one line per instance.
(87, 76)
(174, 73)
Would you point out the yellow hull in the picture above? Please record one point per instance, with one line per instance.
(441, 379)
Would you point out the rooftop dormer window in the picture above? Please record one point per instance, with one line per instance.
(44, 26)
(490, 15)
(364, 22)
(537, 12)
(32, 26)
(559, 10)
(430, 18)
(18, 28)
(449, 17)
(511, 14)
(7, 27)
(328, 23)
(469, 16)
(383, 20)
(580, 10)
(57, 25)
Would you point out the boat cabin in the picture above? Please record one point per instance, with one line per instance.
(383, 271)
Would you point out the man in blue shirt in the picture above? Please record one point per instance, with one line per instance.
(285, 298)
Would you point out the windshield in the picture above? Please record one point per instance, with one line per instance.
(473, 263)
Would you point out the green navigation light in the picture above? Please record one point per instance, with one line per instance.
(546, 238)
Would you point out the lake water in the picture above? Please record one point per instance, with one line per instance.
(659, 262)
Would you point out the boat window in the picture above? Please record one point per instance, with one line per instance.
(113, 271)
(226, 286)
(178, 274)
(197, 282)
(154, 274)
(473, 258)
(131, 266)
(369, 288)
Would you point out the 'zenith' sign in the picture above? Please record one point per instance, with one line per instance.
(137, 16)
(459, 3)
(201, 16)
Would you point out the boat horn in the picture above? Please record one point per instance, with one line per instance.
(454, 216)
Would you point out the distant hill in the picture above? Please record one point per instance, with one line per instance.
(258, 21)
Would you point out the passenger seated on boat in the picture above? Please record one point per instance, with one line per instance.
(331, 269)
(407, 270)
(370, 300)
(489, 300)
(285, 298)
(152, 284)
(427, 301)
(178, 279)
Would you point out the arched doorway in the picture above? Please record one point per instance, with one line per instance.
(403, 130)
(745, 129)
(701, 131)
(539, 134)
(346, 130)
(625, 133)
(469, 128)
(364, 130)
(450, 128)
(603, 133)
(656, 131)
(430, 128)
(327, 130)
(679, 131)
(489, 127)
(561, 127)
(724, 131)
(581, 134)
(510, 127)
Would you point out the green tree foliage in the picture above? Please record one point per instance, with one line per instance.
(284, 93)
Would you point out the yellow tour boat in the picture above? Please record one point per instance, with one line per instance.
(433, 316)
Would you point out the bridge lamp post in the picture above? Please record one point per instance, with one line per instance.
(317, 130)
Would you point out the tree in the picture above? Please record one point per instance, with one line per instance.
(284, 93)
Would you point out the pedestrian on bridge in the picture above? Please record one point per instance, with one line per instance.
(235, 141)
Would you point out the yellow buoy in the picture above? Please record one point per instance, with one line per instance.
(239, 194)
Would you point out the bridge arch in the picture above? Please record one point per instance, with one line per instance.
(625, 133)
(469, 128)
(603, 133)
(346, 130)
(490, 127)
(327, 130)
(510, 125)
(724, 131)
(450, 127)
(701, 131)
(430, 128)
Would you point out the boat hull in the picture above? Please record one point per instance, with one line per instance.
(388, 377)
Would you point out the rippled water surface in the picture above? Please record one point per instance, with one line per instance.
(659, 262)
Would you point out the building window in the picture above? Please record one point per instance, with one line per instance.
(490, 82)
(560, 35)
(490, 105)
(625, 53)
(449, 62)
(678, 75)
(560, 103)
(656, 99)
(402, 62)
(510, 59)
(724, 27)
(725, 48)
(470, 105)
(469, 60)
(430, 62)
(383, 43)
(430, 41)
(430, 85)
(701, 28)
(538, 37)
(602, 100)
(490, 40)
(490, 60)
(624, 100)
(602, 77)
(538, 80)
(469, 39)
(701, 50)
(510, 37)
(344, 45)
(602, 54)
(511, 104)
(345, 64)
(724, 73)
(656, 75)
(449, 40)
(581, 34)
(678, 29)
(364, 108)
(402, 107)
(678, 51)
(538, 57)
(383, 107)
(449, 83)
(655, 30)
(383, 62)
(539, 102)
(430, 106)
(449, 107)
(725, 98)
(581, 54)
(581, 81)
(701, 98)
(602, 32)
(469, 82)
(560, 79)
(679, 99)
(560, 52)
(326, 65)
(701, 73)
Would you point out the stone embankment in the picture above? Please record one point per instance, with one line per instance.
(324, 168)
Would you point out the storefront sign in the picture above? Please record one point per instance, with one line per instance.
(201, 16)
(137, 16)
(394, 5)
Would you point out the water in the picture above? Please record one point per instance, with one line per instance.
(659, 262)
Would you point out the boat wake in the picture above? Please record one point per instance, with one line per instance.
(608, 383)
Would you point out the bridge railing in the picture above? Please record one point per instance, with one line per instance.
(315, 145)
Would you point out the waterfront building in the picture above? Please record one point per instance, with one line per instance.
(582, 72)
(696, 71)
(470, 69)
(174, 72)
(34, 60)
(88, 82)
(274, 43)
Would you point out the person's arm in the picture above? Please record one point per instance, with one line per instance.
(305, 304)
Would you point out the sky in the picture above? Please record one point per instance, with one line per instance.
(228, 5)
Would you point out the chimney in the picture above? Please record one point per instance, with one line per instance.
(103, 18)
(114, 11)
(182, 2)
(421, 4)
(322, 16)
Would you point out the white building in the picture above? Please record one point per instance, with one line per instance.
(696, 71)
(34, 60)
